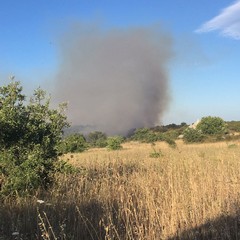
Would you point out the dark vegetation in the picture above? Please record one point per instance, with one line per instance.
(209, 129)
(29, 138)
(73, 143)
(193, 136)
(97, 139)
(212, 129)
(114, 143)
(233, 126)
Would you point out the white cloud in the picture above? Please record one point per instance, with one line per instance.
(227, 22)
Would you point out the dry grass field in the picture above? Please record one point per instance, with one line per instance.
(190, 192)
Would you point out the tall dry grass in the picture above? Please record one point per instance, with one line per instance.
(191, 192)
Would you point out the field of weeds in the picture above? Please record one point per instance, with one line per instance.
(139, 192)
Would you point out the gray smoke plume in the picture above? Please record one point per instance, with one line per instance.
(114, 80)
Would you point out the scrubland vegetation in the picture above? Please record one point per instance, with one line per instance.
(146, 186)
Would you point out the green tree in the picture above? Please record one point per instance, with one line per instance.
(212, 125)
(30, 132)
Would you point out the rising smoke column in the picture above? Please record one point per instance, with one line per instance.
(115, 80)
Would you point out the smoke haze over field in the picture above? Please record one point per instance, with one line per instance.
(114, 80)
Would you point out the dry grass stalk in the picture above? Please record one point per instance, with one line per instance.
(191, 192)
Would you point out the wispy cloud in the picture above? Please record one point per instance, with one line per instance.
(227, 22)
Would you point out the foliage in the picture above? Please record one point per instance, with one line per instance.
(212, 125)
(149, 136)
(74, 143)
(155, 154)
(62, 166)
(29, 138)
(97, 139)
(193, 136)
(114, 143)
(170, 127)
(145, 135)
(234, 126)
(171, 134)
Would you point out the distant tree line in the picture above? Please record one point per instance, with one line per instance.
(209, 129)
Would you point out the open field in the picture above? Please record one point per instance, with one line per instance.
(191, 192)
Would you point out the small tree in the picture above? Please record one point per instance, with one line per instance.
(30, 132)
(212, 125)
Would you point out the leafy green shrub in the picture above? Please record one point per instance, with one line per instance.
(212, 125)
(149, 136)
(29, 138)
(166, 137)
(114, 143)
(97, 139)
(145, 135)
(62, 166)
(174, 134)
(74, 143)
(193, 136)
(26, 172)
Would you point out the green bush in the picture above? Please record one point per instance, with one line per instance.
(212, 126)
(114, 143)
(74, 143)
(145, 135)
(97, 139)
(64, 167)
(30, 134)
(193, 136)
(149, 136)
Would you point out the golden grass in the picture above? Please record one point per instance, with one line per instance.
(191, 192)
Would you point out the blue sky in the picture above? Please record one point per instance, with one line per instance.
(204, 72)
